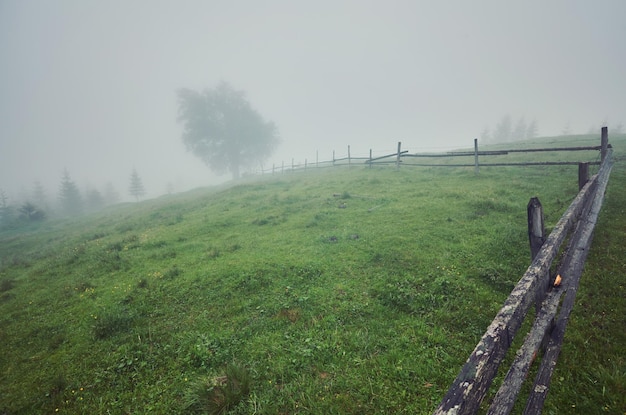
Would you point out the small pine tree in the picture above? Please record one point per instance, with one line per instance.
(39, 196)
(136, 188)
(69, 196)
(502, 132)
(94, 200)
(30, 212)
(485, 135)
(519, 132)
(531, 129)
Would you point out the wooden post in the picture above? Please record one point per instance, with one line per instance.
(536, 238)
(349, 160)
(398, 157)
(536, 228)
(583, 174)
(370, 158)
(333, 157)
(604, 143)
(476, 156)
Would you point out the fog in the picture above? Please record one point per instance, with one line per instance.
(90, 86)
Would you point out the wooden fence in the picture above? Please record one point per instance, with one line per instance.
(553, 276)
(404, 158)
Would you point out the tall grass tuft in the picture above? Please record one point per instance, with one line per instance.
(218, 395)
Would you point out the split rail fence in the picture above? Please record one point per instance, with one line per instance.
(550, 283)
(404, 158)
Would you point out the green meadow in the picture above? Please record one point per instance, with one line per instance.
(328, 291)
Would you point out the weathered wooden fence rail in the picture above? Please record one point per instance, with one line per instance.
(546, 281)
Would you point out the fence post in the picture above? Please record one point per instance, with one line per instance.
(583, 174)
(333, 157)
(399, 152)
(370, 158)
(536, 238)
(536, 228)
(604, 143)
(349, 160)
(476, 156)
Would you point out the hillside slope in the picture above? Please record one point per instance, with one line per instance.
(336, 291)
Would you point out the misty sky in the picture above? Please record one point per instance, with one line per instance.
(90, 86)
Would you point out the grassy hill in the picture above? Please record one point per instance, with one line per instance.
(332, 291)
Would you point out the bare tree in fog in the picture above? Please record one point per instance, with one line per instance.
(136, 188)
(223, 130)
(69, 196)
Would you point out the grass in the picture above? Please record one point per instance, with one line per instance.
(334, 291)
